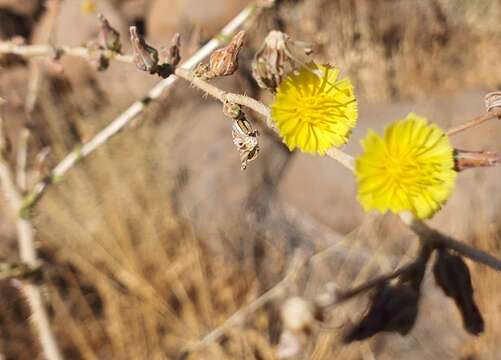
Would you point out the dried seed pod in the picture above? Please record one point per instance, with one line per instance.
(392, 309)
(245, 139)
(453, 276)
(277, 57)
(224, 62)
(232, 110)
(109, 38)
(145, 56)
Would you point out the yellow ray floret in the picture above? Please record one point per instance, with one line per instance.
(313, 110)
(410, 169)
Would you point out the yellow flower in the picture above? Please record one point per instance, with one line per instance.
(411, 168)
(313, 110)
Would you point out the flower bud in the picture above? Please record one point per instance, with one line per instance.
(145, 56)
(109, 38)
(224, 62)
(277, 57)
(232, 110)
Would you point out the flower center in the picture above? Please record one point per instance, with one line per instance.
(408, 171)
(312, 108)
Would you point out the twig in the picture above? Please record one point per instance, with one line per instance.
(36, 51)
(131, 113)
(44, 33)
(22, 155)
(345, 295)
(27, 251)
(429, 234)
(474, 122)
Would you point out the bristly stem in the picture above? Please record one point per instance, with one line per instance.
(118, 124)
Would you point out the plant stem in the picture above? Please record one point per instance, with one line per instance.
(131, 113)
(27, 253)
(474, 122)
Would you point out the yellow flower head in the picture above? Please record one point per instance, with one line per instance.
(410, 169)
(313, 110)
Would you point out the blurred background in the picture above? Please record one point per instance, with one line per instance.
(158, 237)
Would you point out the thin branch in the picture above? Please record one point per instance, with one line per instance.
(22, 156)
(474, 122)
(27, 251)
(36, 51)
(427, 233)
(345, 295)
(132, 112)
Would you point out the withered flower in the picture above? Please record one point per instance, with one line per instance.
(245, 139)
(392, 309)
(145, 56)
(109, 38)
(278, 56)
(453, 276)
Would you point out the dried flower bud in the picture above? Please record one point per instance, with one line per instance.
(452, 275)
(109, 38)
(224, 62)
(277, 57)
(493, 101)
(172, 54)
(464, 159)
(245, 139)
(392, 309)
(232, 110)
(145, 56)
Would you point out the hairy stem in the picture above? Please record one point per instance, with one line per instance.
(131, 113)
